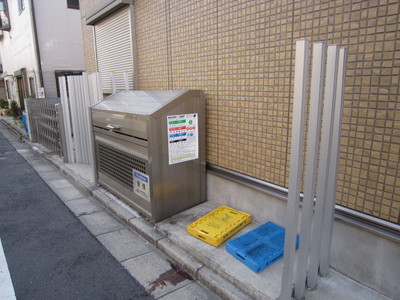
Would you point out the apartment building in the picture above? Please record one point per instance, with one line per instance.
(40, 41)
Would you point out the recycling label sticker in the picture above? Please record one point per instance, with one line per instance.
(141, 185)
(183, 138)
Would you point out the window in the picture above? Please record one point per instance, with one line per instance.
(21, 5)
(73, 4)
(4, 16)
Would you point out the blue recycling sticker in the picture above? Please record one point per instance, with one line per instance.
(140, 176)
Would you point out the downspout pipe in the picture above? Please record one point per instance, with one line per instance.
(36, 43)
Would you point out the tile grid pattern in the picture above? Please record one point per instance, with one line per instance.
(241, 54)
(88, 37)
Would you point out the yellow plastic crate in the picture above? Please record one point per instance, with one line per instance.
(219, 225)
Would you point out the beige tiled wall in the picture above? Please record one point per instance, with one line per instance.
(241, 53)
(88, 40)
(88, 48)
(151, 38)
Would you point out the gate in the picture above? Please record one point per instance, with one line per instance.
(44, 123)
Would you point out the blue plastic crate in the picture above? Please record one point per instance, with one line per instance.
(260, 247)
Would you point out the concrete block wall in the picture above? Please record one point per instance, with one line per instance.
(366, 257)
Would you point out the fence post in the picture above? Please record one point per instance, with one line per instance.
(321, 166)
(326, 240)
(61, 127)
(66, 116)
(113, 83)
(296, 165)
(314, 125)
(126, 81)
(325, 150)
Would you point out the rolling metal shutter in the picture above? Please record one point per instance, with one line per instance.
(114, 49)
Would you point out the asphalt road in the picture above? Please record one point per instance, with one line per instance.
(50, 254)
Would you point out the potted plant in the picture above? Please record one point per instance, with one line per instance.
(4, 107)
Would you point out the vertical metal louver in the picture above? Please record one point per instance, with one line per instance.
(114, 48)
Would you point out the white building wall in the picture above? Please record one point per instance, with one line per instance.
(60, 43)
(17, 46)
(60, 40)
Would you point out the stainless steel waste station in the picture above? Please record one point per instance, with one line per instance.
(149, 149)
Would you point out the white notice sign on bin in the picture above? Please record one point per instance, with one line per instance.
(141, 185)
(183, 138)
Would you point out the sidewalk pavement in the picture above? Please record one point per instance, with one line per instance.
(48, 251)
(168, 249)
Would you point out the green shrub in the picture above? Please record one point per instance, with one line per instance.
(3, 104)
(15, 111)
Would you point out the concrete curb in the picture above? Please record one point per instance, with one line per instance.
(16, 130)
(194, 267)
(149, 232)
(77, 179)
(220, 286)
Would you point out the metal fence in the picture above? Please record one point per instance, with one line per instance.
(44, 122)
(63, 124)
(78, 93)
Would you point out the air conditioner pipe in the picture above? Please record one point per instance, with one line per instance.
(36, 43)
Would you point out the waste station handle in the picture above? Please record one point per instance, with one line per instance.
(113, 127)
